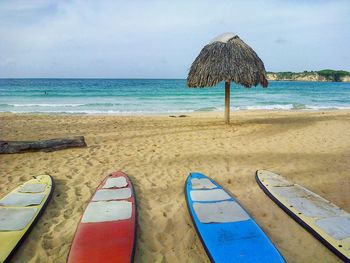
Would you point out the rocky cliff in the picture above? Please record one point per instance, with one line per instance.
(322, 75)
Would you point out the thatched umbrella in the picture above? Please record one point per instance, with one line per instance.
(227, 58)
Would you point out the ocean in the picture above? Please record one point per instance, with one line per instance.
(162, 96)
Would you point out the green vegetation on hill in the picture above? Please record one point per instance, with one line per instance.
(327, 74)
(333, 75)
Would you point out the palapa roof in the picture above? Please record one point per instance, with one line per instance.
(227, 58)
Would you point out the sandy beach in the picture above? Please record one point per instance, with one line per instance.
(158, 152)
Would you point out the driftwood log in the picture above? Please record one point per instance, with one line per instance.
(42, 145)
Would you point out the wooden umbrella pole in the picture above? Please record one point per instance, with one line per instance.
(227, 102)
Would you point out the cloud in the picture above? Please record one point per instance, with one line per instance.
(280, 40)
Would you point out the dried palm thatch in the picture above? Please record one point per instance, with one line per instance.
(227, 58)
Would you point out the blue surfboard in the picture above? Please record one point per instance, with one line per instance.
(228, 233)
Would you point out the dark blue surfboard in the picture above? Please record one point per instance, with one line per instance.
(227, 231)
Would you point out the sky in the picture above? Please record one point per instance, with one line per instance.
(160, 39)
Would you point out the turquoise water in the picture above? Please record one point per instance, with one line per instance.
(152, 96)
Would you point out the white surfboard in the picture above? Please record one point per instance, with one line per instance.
(326, 221)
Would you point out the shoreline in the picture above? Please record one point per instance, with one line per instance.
(158, 152)
(190, 113)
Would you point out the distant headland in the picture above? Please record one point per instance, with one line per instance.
(322, 75)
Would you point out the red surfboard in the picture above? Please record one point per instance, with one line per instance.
(106, 232)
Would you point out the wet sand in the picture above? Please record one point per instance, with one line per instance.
(158, 152)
